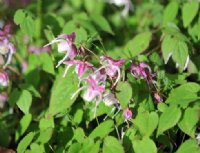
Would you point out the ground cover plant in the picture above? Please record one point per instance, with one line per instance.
(100, 76)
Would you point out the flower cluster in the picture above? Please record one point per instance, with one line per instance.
(100, 82)
(7, 49)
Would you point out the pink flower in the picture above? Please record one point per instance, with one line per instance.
(7, 49)
(157, 97)
(66, 45)
(5, 31)
(4, 79)
(127, 114)
(112, 66)
(3, 99)
(81, 66)
(142, 70)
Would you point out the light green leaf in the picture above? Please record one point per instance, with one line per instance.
(180, 54)
(124, 93)
(62, 91)
(25, 142)
(45, 135)
(23, 125)
(189, 146)
(189, 121)
(138, 44)
(19, 16)
(78, 116)
(89, 146)
(102, 130)
(47, 63)
(168, 119)
(146, 123)
(24, 101)
(102, 23)
(28, 26)
(112, 145)
(145, 145)
(46, 123)
(170, 12)
(74, 148)
(184, 94)
(167, 47)
(189, 11)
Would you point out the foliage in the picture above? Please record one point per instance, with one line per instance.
(124, 77)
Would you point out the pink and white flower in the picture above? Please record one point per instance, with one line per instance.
(109, 99)
(127, 114)
(81, 67)
(157, 97)
(142, 70)
(112, 67)
(4, 79)
(66, 45)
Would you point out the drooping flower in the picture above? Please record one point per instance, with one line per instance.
(7, 49)
(142, 70)
(109, 99)
(66, 45)
(126, 3)
(198, 138)
(157, 97)
(127, 114)
(3, 99)
(81, 66)
(112, 66)
(4, 79)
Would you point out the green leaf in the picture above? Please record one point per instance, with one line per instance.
(138, 44)
(189, 121)
(14, 96)
(184, 94)
(189, 11)
(176, 48)
(112, 145)
(102, 23)
(180, 55)
(168, 119)
(102, 130)
(46, 123)
(24, 101)
(124, 93)
(89, 146)
(189, 146)
(78, 116)
(170, 12)
(23, 125)
(47, 63)
(25, 142)
(81, 35)
(167, 47)
(62, 92)
(45, 135)
(74, 148)
(145, 145)
(19, 16)
(146, 123)
(28, 26)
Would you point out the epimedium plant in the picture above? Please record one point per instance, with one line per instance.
(100, 76)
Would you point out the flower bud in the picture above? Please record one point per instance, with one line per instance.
(127, 114)
(4, 79)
